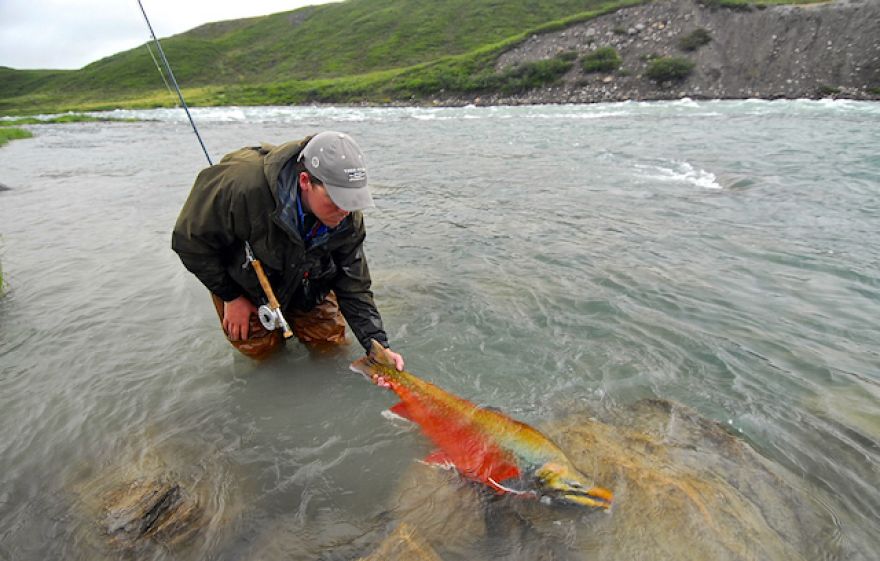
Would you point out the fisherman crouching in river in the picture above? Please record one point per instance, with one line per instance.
(296, 210)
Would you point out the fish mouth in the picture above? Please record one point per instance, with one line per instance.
(565, 484)
(596, 497)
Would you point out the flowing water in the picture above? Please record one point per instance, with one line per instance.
(552, 261)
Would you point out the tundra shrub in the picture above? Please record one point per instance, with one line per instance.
(530, 75)
(669, 69)
(604, 59)
(694, 40)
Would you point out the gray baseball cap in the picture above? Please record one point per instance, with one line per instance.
(337, 161)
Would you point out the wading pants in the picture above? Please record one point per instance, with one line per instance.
(324, 324)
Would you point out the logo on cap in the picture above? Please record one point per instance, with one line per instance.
(356, 174)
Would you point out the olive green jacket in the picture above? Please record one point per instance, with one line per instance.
(238, 200)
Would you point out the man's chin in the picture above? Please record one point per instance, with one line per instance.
(333, 223)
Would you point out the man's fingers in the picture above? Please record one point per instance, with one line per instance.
(245, 327)
(398, 360)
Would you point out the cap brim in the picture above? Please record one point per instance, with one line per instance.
(350, 199)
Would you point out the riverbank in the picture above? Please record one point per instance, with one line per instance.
(623, 50)
(9, 128)
(12, 133)
(776, 52)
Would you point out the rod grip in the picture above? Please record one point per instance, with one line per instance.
(264, 282)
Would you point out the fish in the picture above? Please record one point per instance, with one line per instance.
(483, 444)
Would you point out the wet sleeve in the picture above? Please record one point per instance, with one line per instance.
(206, 230)
(352, 288)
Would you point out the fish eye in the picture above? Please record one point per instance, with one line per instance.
(574, 484)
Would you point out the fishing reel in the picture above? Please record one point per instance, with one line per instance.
(270, 314)
(271, 319)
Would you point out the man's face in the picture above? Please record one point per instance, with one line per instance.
(319, 203)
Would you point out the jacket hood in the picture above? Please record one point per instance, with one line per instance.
(277, 156)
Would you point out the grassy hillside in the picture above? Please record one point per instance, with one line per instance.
(324, 41)
(355, 50)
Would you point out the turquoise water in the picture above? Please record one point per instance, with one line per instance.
(722, 255)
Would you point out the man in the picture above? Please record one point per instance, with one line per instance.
(298, 205)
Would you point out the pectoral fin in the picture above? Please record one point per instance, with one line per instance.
(502, 472)
(439, 458)
(401, 410)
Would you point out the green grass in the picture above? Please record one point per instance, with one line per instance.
(472, 71)
(694, 40)
(603, 59)
(69, 118)
(358, 50)
(9, 130)
(12, 133)
(669, 69)
(828, 90)
(317, 42)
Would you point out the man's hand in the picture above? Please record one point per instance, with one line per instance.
(398, 360)
(236, 318)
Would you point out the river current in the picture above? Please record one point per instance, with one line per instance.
(551, 261)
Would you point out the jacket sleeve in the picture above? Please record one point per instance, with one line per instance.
(352, 288)
(207, 228)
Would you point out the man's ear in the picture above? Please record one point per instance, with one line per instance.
(305, 183)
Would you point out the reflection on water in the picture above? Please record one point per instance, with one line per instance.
(561, 263)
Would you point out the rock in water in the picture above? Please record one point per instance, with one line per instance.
(403, 545)
(154, 509)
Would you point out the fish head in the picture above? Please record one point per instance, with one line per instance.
(565, 484)
(376, 366)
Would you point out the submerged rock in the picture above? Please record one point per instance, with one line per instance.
(165, 500)
(403, 545)
(153, 509)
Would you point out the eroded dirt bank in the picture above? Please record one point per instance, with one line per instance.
(811, 51)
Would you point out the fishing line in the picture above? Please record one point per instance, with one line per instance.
(174, 81)
(159, 68)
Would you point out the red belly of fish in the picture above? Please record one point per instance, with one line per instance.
(459, 440)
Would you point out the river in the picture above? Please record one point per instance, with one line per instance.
(544, 260)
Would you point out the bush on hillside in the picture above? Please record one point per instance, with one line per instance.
(734, 5)
(669, 69)
(694, 40)
(604, 59)
(530, 75)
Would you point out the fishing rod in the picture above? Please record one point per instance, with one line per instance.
(174, 81)
(270, 315)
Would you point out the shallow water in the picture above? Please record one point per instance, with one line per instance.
(722, 255)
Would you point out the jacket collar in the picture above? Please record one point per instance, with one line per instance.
(275, 159)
